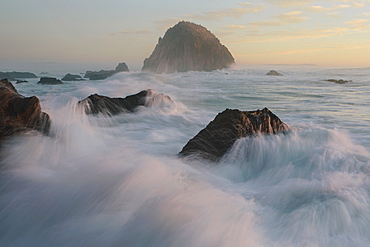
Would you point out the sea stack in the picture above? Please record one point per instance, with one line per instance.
(188, 47)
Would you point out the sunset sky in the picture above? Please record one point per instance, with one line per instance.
(106, 32)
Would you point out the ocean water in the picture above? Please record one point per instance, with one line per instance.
(117, 181)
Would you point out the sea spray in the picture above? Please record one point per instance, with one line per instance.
(313, 184)
(117, 181)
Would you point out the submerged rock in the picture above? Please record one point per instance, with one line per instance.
(274, 72)
(219, 135)
(70, 77)
(21, 81)
(95, 104)
(49, 81)
(104, 74)
(188, 47)
(340, 81)
(19, 113)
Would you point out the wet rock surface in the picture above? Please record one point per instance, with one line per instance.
(95, 104)
(219, 135)
(19, 113)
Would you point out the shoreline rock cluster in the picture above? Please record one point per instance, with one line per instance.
(19, 114)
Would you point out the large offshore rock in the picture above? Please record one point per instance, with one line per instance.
(19, 113)
(95, 104)
(188, 47)
(219, 135)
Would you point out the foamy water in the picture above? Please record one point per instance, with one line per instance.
(117, 181)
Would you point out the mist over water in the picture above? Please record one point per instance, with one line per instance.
(117, 181)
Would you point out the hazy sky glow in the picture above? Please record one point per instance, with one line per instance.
(105, 32)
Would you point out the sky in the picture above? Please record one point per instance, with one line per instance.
(98, 34)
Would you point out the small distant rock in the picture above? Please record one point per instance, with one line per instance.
(49, 81)
(99, 75)
(95, 104)
(121, 67)
(274, 72)
(104, 74)
(21, 81)
(219, 135)
(340, 81)
(70, 77)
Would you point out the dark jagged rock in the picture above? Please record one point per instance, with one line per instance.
(70, 77)
(188, 47)
(21, 81)
(121, 67)
(340, 81)
(19, 113)
(104, 74)
(274, 72)
(219, 135)
(95, 104)
(12, 76)
(49, 81)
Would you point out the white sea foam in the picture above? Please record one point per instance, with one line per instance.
(117, 181)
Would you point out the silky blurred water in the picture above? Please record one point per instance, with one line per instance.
(117, 181)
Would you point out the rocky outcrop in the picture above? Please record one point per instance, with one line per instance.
(49, 81)
(274, 72)
(95, 104)
(19, 113)
(12, 76)
(218, 136)
(104, 74)
(188, 47)
(70, 77)
(340, 81)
